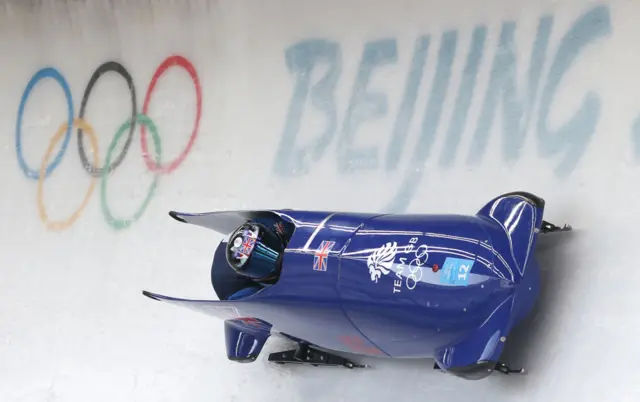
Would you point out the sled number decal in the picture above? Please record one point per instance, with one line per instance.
(455, 271)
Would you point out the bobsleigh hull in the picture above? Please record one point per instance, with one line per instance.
(447, 287)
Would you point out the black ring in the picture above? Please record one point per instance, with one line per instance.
(104, 68)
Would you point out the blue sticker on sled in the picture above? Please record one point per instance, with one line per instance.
(455, 271)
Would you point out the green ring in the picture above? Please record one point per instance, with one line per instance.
(125, 223)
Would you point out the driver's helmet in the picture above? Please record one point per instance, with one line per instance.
(255, 251)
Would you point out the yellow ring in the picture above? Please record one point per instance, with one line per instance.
(88, 131)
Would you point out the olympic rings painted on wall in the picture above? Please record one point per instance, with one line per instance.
(96, 160)
(105, 68)
(182, 62)
(84, 128)
(118, 223)
(47, 72)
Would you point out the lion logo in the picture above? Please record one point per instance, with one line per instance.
(381, 260)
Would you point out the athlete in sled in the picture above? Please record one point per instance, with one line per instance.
(447, 287)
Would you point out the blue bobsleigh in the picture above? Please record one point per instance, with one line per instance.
(447, 287)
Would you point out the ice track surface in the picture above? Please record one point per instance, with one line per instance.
(396, 106)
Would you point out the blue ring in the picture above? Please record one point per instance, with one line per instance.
(48, 72)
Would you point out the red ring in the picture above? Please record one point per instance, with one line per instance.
(170, 62)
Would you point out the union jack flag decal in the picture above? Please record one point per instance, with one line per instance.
(247, 245)
(279, 227)
(321, 255)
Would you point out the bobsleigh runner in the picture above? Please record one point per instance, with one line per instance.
(443, 287)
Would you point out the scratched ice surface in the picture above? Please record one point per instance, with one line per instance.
(397, 106)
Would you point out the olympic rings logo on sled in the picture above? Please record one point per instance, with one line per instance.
(85, 129)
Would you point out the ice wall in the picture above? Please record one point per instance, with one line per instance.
(355, 105)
